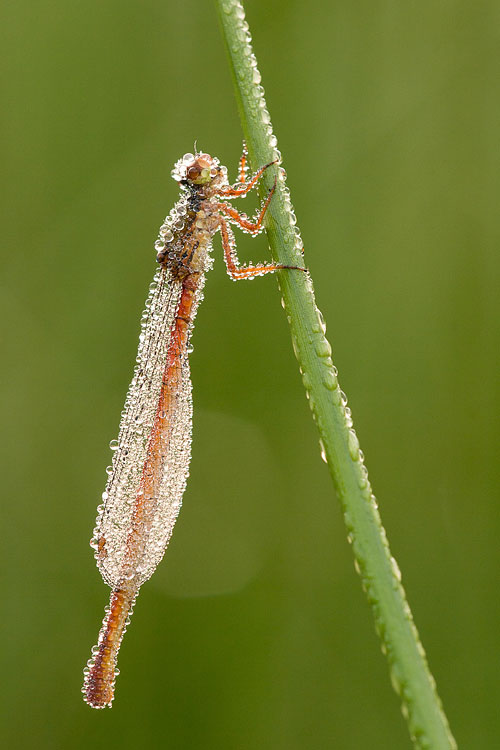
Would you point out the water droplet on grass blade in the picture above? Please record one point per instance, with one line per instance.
(323, 451)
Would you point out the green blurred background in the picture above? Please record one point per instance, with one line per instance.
(254, 632)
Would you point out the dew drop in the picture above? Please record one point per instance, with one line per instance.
(396, 682)
(321, 320)
(323, 451)
(395, 569)
(323, 348)
(335, 396)
(353, 445)
(329, 380)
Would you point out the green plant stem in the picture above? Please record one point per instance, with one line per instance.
(379, 572)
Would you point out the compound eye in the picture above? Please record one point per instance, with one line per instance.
(193, 173)
(199, 172)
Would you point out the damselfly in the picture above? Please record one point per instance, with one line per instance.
(151, 456)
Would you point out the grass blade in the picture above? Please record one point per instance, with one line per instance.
(379, 572)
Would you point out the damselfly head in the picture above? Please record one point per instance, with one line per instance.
(199, 169)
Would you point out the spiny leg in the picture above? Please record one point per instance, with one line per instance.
(230, 192)
(255, 226)
(237, 272)
(243, 165)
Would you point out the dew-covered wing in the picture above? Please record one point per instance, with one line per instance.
(116, 514)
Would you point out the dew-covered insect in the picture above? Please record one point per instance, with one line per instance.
(151, 456)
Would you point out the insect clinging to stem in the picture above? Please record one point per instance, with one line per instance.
(151, 459)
